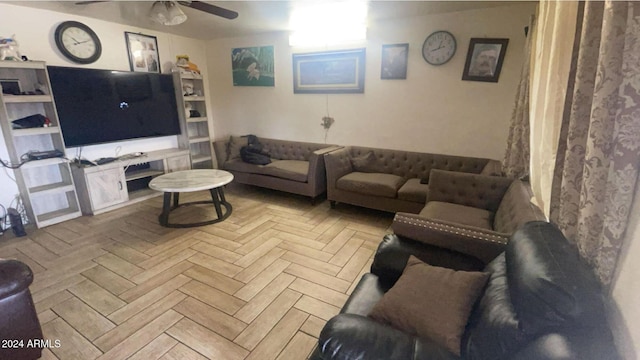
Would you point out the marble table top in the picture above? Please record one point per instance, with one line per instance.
(191, 180)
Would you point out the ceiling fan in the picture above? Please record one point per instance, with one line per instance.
(169, 12)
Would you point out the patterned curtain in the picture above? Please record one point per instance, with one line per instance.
(516, 157)
(599, 145)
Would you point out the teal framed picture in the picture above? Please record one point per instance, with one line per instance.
(253, 66)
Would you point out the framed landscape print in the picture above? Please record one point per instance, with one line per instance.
(329, 72)
(484, 59)
(143, 52)
(253, 66)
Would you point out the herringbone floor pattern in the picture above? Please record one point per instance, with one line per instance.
(259, 285)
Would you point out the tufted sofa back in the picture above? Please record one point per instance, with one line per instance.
(289, 150)
(417, 165)
(516, 209)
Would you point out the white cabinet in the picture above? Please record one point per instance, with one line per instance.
(110, 186)
(194, 119)
(46, 186)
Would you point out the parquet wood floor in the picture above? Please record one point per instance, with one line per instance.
(260, 285)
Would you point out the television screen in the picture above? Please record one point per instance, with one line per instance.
(100, 106)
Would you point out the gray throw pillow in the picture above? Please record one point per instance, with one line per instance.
(235, 144)
(364, 163)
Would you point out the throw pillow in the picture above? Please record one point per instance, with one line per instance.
(431, 302)
(235, 144)
(364, 163)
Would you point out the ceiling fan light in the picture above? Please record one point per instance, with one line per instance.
(176, 15)
(159, 12)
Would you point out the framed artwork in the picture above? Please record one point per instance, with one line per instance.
(253, 66)
(484, 59)
(394, 61)
(143, 52)
(329, 72)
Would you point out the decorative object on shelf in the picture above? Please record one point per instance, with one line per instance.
(253, 66)
(11, 86)
(187, 88)
(394, 61)
(9, 49)
(143, 52)
(77, 42)
(185, 66)
(484, 59)
(346, 68)
(439, 47)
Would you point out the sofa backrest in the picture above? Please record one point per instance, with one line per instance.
(417, 165)
(539, 287)
(516, 209)
(289, 150)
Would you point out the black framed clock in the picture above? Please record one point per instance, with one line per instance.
(77, 42)
(439, 47)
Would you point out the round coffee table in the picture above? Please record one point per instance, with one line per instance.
(189, 181)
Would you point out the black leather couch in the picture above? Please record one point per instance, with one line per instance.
(541, 302)
(20, 331)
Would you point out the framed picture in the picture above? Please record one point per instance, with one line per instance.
(11, 86)
(394, 61)
(484, 59)
(329, 72)
(143, 52)
(253, 66)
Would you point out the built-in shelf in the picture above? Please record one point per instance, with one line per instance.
(23, 99)
(57, 216)
(142, 174)
(198, 139)
(43, 162)
(194, 120)
(36, 131)
(51, 188)
(200, 158)
(194, 98)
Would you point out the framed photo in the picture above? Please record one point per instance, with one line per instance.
(253, 66)
(329, 72)
(394, 61)
(484, 59)
(143, 52)
(10, 86)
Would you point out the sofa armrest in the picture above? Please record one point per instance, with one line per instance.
(220, 148)
(394, 251)
(477, 242)
(15, 276)
(348, 337)
(493, 168)
(317, 177)
(474, 190)
(338, 164)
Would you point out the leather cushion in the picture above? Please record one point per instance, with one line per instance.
(365, 295)
(414, 190)
(363, 163)
(493, 331)
(295, 170)
(384, 185)
(459, 214)
(431, 302)
(15, 276)
(235, 144)
(549, 284)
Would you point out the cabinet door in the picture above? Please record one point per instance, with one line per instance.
(177, 163)
(107, 188)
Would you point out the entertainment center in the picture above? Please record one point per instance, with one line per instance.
(92, 106)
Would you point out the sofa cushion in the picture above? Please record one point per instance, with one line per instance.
(295, 170)
(414, 190)
(384, 185)
(241, 166)
(516, 209)
(459, 214)
(363, 163)
(431, 302)
(235, 144)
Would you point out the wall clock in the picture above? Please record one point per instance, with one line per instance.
(77, 42)
(439, 47)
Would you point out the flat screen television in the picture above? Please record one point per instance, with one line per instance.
(100, 106)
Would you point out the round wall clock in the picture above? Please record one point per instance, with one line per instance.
(439, 47)
(77, 42)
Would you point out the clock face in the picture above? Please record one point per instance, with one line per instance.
(78, 42)
(439, 47)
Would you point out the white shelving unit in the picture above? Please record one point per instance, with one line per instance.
(195, 130)
(46, 186)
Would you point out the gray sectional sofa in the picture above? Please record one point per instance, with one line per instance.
(296, 167)
(391, 180)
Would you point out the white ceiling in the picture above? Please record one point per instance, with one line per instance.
(254, 16)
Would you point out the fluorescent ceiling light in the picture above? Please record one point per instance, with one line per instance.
(328, 23)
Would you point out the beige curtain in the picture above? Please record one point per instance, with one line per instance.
(517, 156)
(600, 136)
(550, 70)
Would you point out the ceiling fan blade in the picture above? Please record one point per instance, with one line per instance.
(88, 2)
(211, 9)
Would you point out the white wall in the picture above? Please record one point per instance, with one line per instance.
(34, 31)
(433, 110)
